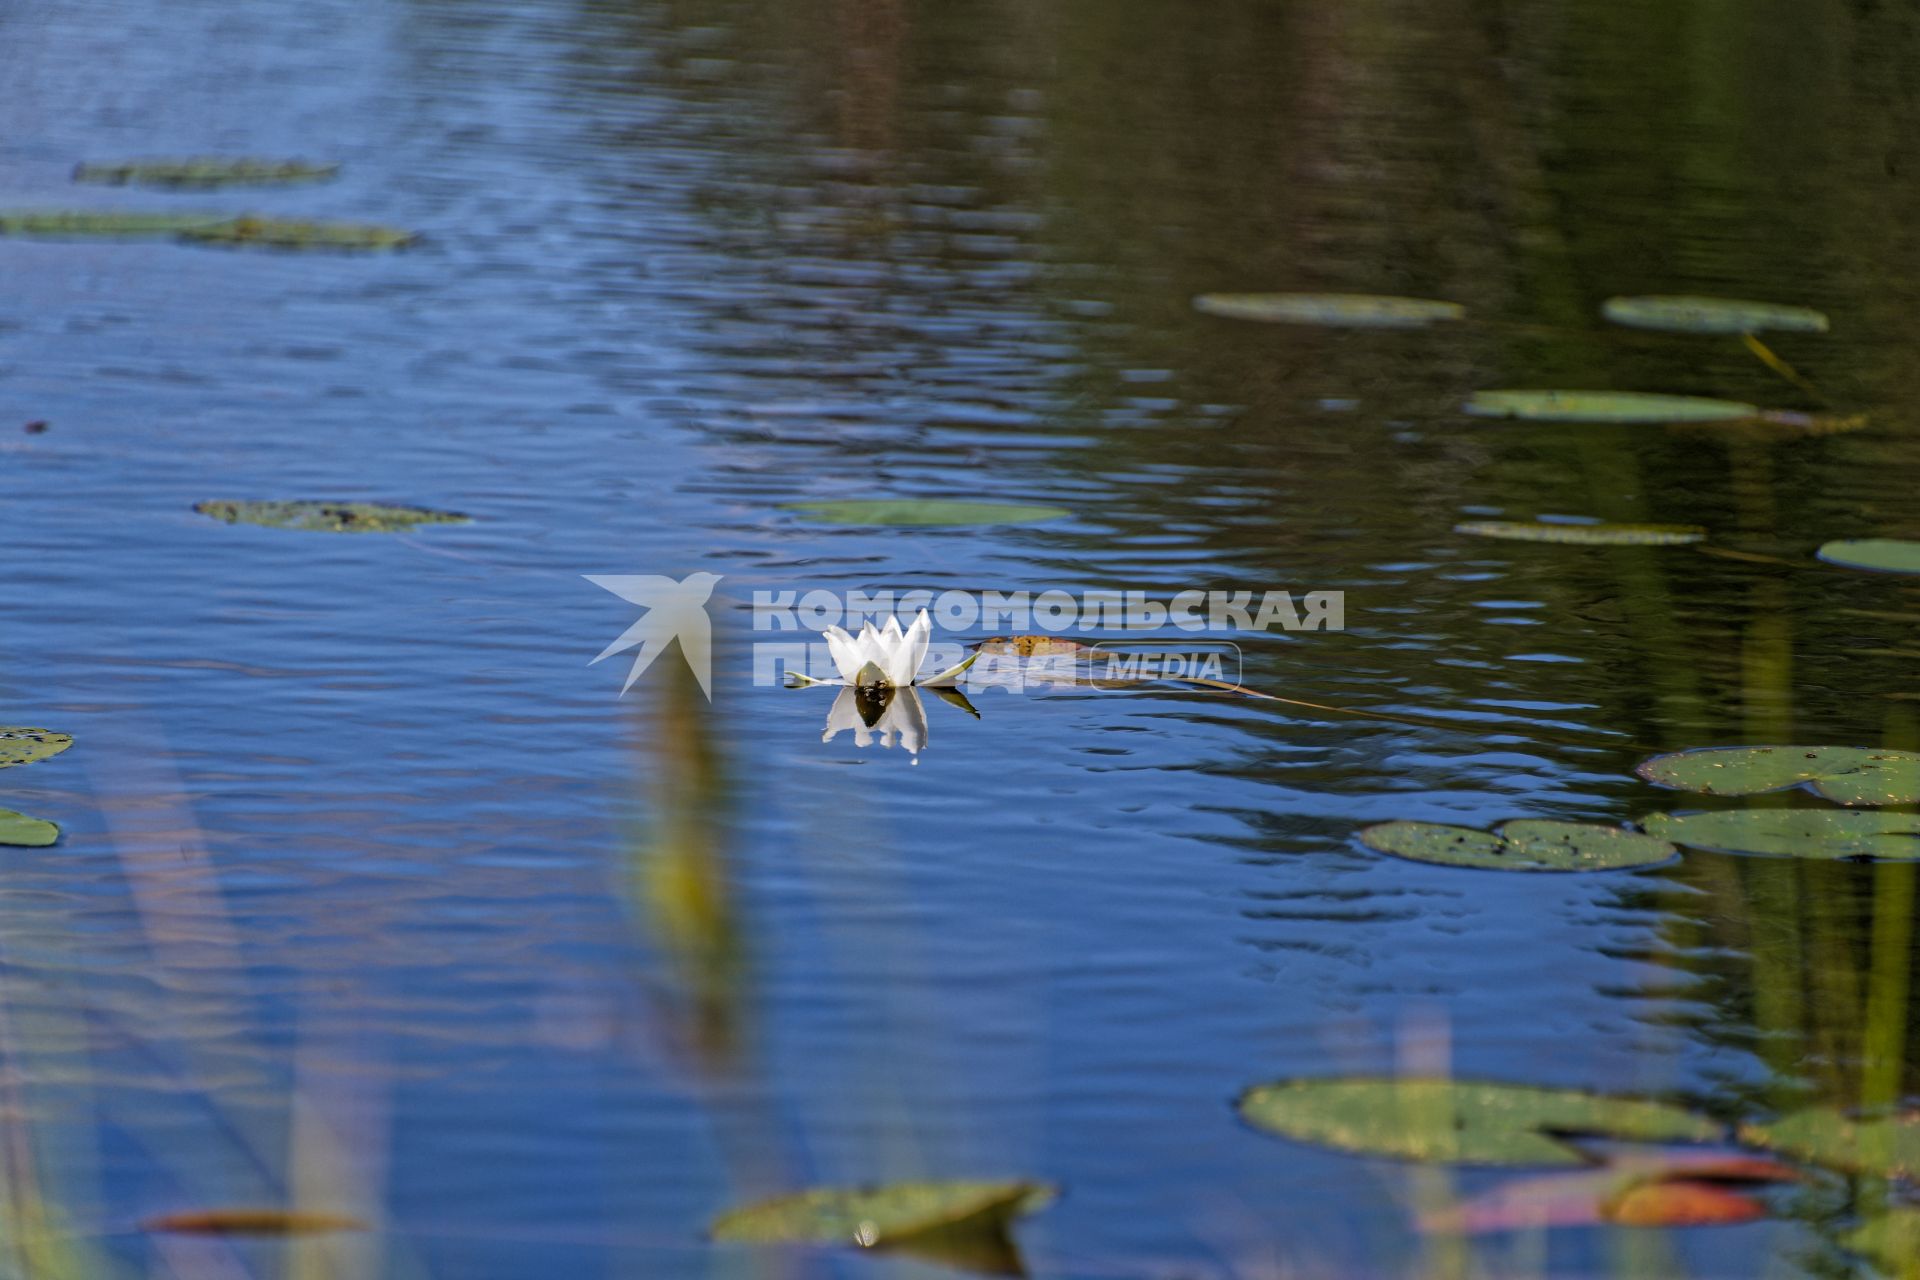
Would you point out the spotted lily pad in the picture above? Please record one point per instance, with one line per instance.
(916, 511)
(1844, 775)
(1886, 1146)
(328, 517)
(31, 833)
(964, 1223)
(1592, 535)
(284, 233)
(1827, 834)
(1882, 555)
(1459, 1121)
(102, 224)
(1604, 406)
(1687, 314)
(1530, 844)
(25, 746)
(1334, 310)
(205, 172)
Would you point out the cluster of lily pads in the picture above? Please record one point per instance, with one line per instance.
(1859, 778)
(1725, 317)
(20, 746)
(1654, 1182)
(202, 174)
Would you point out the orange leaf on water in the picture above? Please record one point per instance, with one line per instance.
(1681, 1204)
(251, 1222)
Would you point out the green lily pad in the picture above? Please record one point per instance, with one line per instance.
(328, 517)
(961, 1223)
(205, 172)
(1844, 775)
(102, 224)
(1592, 535)
(932, 511)
(1335, 310)
(1882, 555)
(25, 746)
(1891, 1240)
(1828, 834)
(283, 233)
(1604, 406)
(31, 833)
(1886, 1146)
(1686, 314)
(1458, 1121)
(1530, 844)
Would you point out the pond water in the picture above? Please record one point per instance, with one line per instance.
(373, 894)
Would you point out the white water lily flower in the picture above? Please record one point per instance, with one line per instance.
(889, 657)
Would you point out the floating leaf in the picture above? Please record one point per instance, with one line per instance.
(1030, 646)
(102, 224)
(328, 517)
(1525, 845)
(1597, 535)
(1662, 1188)
(1681, 1204)
(1844, 775)
(1887, 1146)
(1882, 555)
(1892, 1240)
(1340, 310)
(1460, 1122)
(964, 1223)
(1684, 314)
(1604, 406)
(283, 233)
(251, 1222)
(917, 511)
(25, 746)
(30, 833)
(205, 172)
(1793, 833)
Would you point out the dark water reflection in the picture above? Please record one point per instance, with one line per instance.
(352, 821)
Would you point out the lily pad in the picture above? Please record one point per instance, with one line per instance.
(1828, 834)
(932, 511)
(205, 172)
(25, 746)
(283, 233)
(1593, 535)
(1688, 314)
(1844, 775)
(1459, 1121)
(1886, 1146)
(328, 517)
(1882, 555)
(1604, 406)
(102, 224)
(964, 1223)
(1334, 310)
(1892, 1240)
(1529, 844)
(30, 833)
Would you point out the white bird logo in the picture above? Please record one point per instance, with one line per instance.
(674, 610)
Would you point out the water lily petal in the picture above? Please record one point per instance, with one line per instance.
(849, 654)
(952, 674)
(913, 650)
(870, 673)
